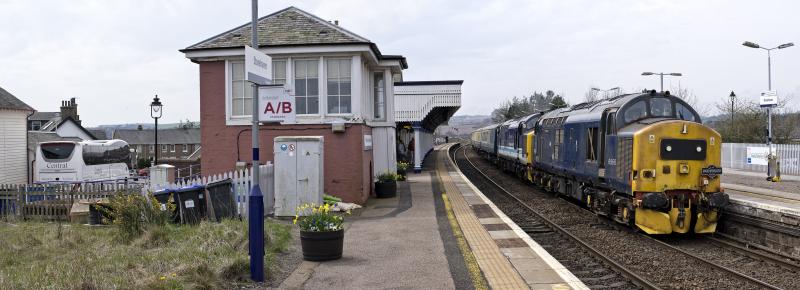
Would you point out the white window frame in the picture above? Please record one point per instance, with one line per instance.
(325, 85)
(172, 148)
(185, 148)
(151, 148)
(164, 148)
(320, 87)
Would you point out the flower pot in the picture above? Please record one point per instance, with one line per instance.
(322, 246)
(401, 172)
(386, 189)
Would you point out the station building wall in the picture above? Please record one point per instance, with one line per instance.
(348, 165)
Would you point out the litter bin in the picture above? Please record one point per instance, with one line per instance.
(165, 196)
(192, 203)
(220, 193)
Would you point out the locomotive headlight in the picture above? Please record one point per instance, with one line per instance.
(699, 149)
(669, 148)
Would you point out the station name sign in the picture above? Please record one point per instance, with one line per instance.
(275, 105)
(769, 99)
(257, 66)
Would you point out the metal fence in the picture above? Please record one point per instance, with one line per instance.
(54, 201)
(734, 156)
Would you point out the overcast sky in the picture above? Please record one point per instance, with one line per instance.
(115, 55)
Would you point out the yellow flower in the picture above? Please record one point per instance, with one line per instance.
(163, 278)
(174, 275)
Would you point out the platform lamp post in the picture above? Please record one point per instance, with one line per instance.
(733, 101)
(647, 73)
(605, 96)
(769, 109)
(155, 113)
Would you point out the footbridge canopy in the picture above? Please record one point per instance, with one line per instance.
(420, 107)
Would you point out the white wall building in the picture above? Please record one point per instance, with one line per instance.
(13, 139)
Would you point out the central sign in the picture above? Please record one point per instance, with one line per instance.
(275, 104)
(257, 66)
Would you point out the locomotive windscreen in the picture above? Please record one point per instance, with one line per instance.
(679, 149)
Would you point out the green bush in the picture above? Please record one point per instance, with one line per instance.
(133, 213)
(387, 177)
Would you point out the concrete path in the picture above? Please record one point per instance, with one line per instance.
(395, 243)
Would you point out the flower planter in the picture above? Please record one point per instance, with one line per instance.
(322, 246)
(385, 189)
(401, 172)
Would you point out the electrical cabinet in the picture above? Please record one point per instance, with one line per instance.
(299, 175)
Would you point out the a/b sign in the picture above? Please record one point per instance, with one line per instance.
(275, 104)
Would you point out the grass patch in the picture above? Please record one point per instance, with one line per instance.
(207, 256)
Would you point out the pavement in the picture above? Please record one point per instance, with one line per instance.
(393, 243)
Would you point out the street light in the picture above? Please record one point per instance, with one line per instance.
(771, 156)
(647, 73)
(733, 99)
(155, 113)
(606, 91)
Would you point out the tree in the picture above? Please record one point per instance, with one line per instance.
(749, 123)
(519, 107)
(558, 102)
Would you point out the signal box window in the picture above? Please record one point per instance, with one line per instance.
(338, 86)
(306, 86)
(241, 91)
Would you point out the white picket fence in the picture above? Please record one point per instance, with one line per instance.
(242, 182)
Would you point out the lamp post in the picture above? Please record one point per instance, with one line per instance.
(647, 73)
(605, 96)
(733, 101)
(155, 113)
(769, 109)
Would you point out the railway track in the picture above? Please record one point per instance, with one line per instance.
(551, 236)
(699, 262)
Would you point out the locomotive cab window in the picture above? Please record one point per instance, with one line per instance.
(660, 107)
(611, 124)
(684, 113)
(636, 111)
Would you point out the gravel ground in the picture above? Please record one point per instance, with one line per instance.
(761, 182)
(662, 266)
(757, 268)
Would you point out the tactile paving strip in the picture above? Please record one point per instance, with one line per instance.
(497, 269)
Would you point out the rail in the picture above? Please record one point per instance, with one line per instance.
(627, 273)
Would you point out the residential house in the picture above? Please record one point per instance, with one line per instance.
(179, 147)
(13, 160)
(65, 123)
(335, 75)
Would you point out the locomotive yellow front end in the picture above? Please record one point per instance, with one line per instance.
(675, 178)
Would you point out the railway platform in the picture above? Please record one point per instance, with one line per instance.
(440, 232)
(762, 213)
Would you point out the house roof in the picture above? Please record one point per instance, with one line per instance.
(166, 136)
(290, 27)
(44, 116)
(35, 137)
(100, 134)
(9, 101)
